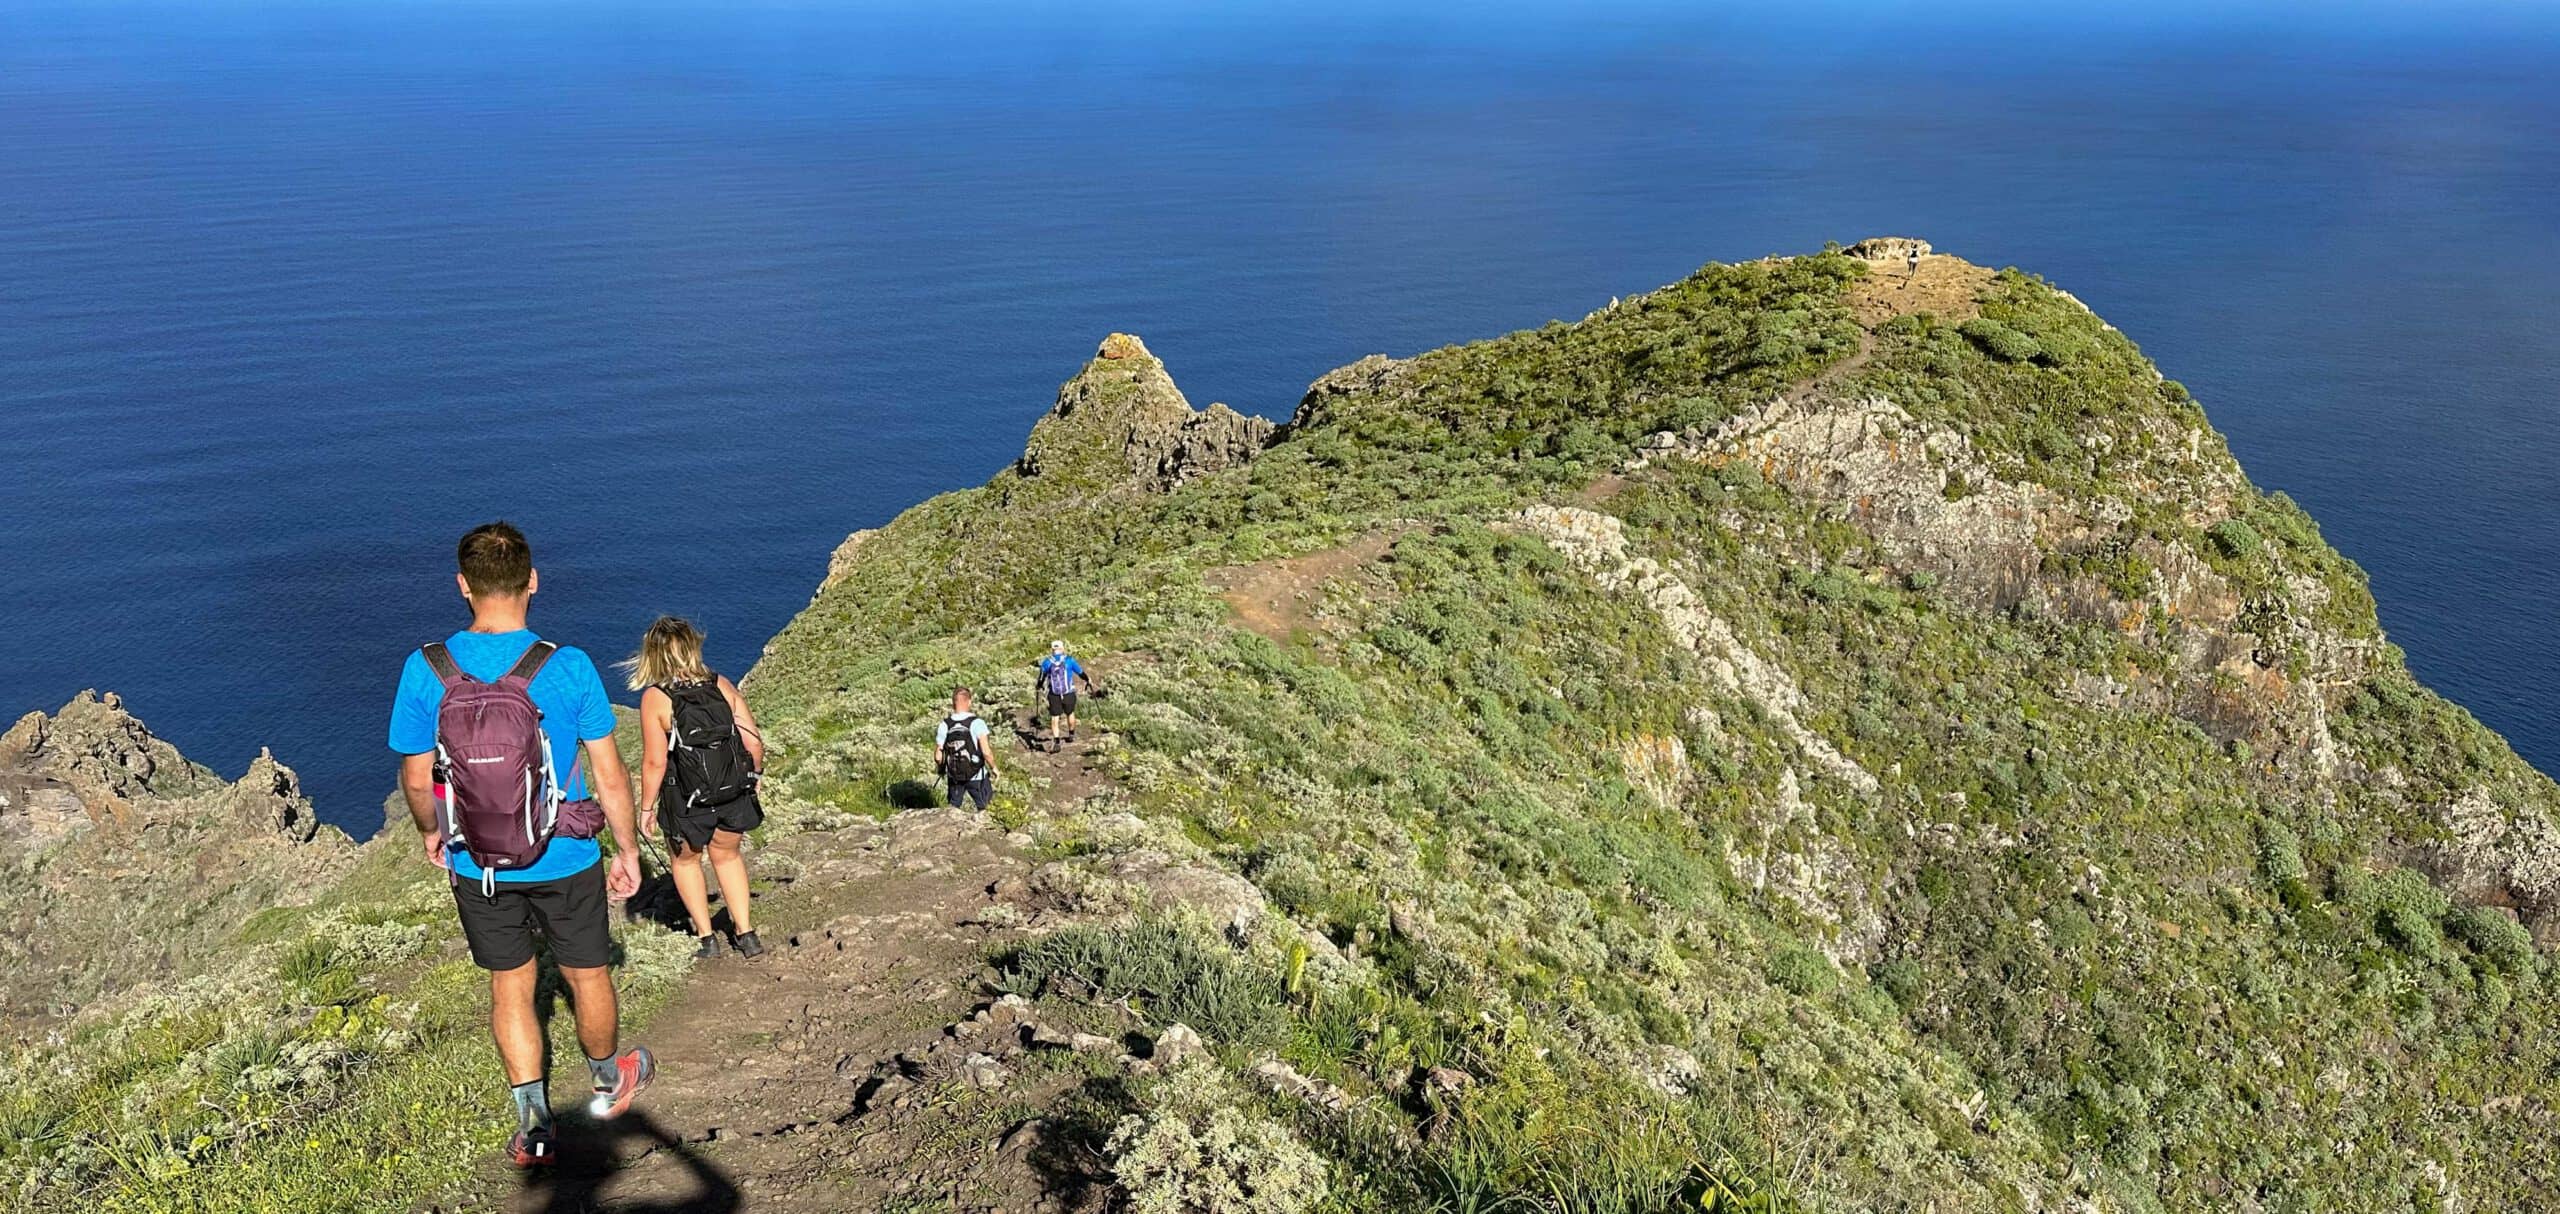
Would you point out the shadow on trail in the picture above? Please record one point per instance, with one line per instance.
(592, 1153)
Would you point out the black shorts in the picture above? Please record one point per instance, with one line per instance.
(1062, 705)
(569, 912)
(691, 828)
(980, 790)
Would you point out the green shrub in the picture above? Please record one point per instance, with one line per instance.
(2235, 539)
(2408, 913)
(2000, 341)
(2280, 854)
(2496, 937)
(1803, 970)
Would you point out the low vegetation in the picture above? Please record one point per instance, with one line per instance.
(1734, 860)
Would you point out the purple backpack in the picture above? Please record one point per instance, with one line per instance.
(502, 794)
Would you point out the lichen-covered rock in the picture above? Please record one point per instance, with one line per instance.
(131, 859)
(1209, 441)
(1888, 248)
(1122, 423)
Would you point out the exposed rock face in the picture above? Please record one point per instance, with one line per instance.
(132, 857)
(1213, 439)
(842, 561)
(1921, 489)
(1121, 421)
(99, 751)
(1597, 544)
(1940, 508)
(2502, 856)
(1369, 378)
(1887, 248)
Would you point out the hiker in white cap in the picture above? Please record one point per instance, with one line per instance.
(1058, 677)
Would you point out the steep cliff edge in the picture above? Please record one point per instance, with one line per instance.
(1827, 734)
(125, 860)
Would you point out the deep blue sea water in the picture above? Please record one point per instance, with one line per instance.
(292, 293)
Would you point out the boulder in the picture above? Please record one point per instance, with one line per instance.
(1888, 248)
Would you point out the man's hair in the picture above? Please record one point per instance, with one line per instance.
(494, 559)
(959, 693)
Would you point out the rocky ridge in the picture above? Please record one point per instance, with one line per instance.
(130, 857)
(1843, 739)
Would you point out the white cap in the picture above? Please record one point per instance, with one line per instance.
(1057, 646)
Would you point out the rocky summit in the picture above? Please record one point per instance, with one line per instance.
(1838, 732)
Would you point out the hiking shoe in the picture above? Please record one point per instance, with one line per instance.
(708, 948)
(532, 1148)
(635, 1067)
(749, 946)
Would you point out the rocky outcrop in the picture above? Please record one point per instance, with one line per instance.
(1122, 422)
(2502, 856)
(1372, 378)
(1597, 544)
(131, 858)
(1214, 439)
(1922, 490)
(1937, 507)
(1888, 248)
(100, 752)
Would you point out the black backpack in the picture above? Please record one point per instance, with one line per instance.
(707, 763)
(960, 758)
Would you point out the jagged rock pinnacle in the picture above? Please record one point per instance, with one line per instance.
(1121, 422)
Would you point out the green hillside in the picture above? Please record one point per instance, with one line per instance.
(1934, 775)
(1797, 739)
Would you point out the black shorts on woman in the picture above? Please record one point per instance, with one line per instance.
(690, 827)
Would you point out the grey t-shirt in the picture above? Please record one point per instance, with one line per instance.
(977, 732)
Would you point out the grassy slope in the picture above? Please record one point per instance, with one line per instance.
(2127, 961)
(1506, 823)
(332, 1056)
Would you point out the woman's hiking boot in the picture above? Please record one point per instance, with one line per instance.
(748, 945)
(632, 1070)
(707, 948)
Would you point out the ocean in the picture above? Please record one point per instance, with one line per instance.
(293, 293)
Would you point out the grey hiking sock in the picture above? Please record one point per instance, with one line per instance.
(608, 1075)
(533, 1104)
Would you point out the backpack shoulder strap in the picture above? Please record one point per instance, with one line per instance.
(531, 663)
(440, 660)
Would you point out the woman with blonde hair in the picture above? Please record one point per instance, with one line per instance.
(700, 761)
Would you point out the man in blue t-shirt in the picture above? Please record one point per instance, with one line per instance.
(560, 898)
(1059, 674)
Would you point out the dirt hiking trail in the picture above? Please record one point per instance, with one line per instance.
(829, 1074)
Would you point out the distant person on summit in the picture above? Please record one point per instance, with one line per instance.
(701, 759)
(480, 719)
(1057, 680)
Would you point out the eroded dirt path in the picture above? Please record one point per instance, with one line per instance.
(1278, 598)
(821, 1077)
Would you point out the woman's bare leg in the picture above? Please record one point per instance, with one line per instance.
(685, 865)
(731, 868)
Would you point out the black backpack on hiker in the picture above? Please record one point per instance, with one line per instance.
(707, 762)
(961, 761)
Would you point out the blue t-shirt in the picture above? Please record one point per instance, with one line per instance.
(1075, 669)
(574, 710)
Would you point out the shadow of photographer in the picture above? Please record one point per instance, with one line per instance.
(592, 1153)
